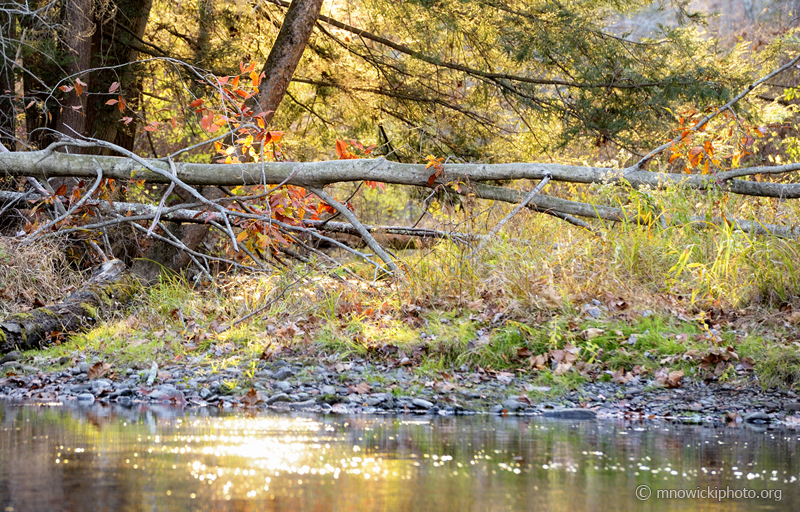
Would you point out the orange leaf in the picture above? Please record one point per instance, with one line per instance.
(121, 104)
(112, 102)
(341, 149)
(255, 78)
(206, 121)
(196, 103)
(66, 88)
(249, 68)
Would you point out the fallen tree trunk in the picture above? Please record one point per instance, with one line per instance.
(109, 288)
(48, 163)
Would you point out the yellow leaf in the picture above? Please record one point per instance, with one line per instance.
(241, 236)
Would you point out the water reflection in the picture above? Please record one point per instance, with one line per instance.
(112, 458)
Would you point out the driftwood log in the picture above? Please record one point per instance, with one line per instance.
(110, 287)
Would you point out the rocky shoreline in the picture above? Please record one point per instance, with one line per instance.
(363, 387)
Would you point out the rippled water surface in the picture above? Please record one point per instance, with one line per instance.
(110, 458)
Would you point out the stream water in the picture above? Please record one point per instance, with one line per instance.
(154, 459)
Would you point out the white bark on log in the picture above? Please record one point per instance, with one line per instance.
(49, 164)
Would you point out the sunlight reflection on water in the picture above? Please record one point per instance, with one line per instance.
(108, 458)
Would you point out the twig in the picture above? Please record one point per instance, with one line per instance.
(370, 241)
(164, 197)
(640, 164)
(72, 208)
(545, 180)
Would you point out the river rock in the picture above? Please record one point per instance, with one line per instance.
(277, 397)
(757, 417)
(421, 403)
(512, 405)
(327, 390)
(86, 397)
(283, 373)
(570, 414)
(11, 356)
(283, 385)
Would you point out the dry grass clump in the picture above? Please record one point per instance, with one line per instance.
(32, 275)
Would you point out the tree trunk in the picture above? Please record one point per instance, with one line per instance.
(8, 123)
(80, 27)
(108, 289)
(286, 53)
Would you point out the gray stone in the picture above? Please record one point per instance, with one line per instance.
(11, 365)
(84, 367)
(497, 409)
(11, 356)
(278, 397)
(32, 369)
(308, 404)
(422, 404)
(283, 374)
(86, 397)
(205, 393)
(793, 406)
(594, 312)
(512, 405)
(570, 414)
(757, 417)
(283, 385)
(120, 392)
(328, 390)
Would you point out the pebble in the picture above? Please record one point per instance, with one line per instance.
(86, 397)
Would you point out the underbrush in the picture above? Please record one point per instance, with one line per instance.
(633, 301)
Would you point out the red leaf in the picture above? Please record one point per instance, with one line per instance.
(113, 87)
(66, 88)
(112, 102)
(196, 103)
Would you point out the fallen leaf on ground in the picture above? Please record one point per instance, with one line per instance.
(591, 333)
(252, 398)
(98, 370)
(359, 388)
(505, 377)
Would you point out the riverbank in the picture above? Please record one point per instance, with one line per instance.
(363, 387)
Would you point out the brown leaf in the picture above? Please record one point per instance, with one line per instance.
(620, 377)
(562, 368)
(359, 388)
(523, 352)
(252, 398)
(590, 333)
(539, 362)
(505, 377)
(444, 386)
(98, 369)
